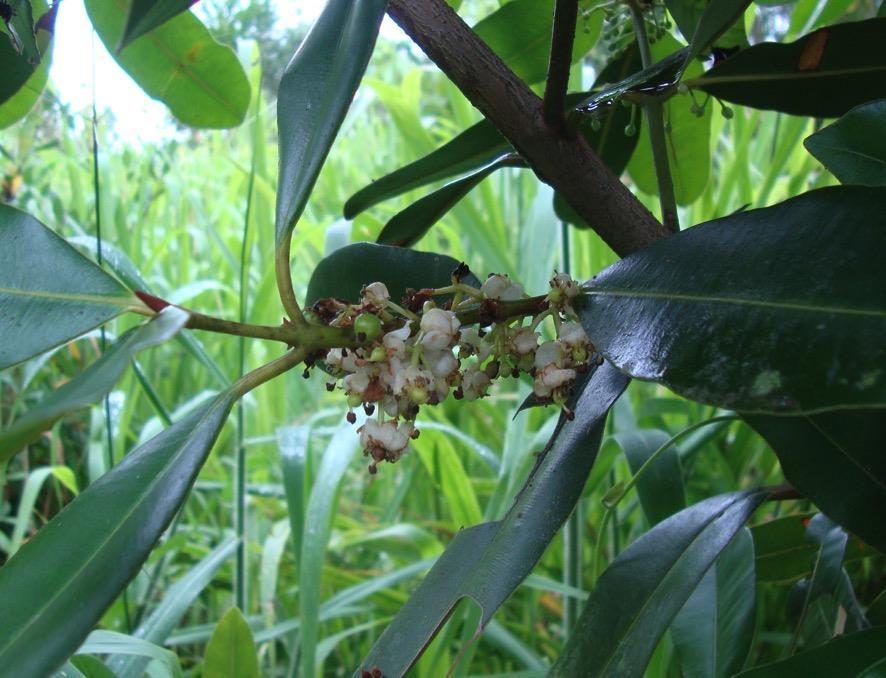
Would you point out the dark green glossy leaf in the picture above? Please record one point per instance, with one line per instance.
(49, 293)
(636, 598)
(714, 21)
(854, 147)
(407, 227)
(90, 385)
(20, 86)
(20, 25)
(344, 272)
(116, 520)
(779, 309)
(835, 459)
(784, 554)
(520, 33)
(658, 77)
(714, 630)
(314, 96)
(687, 138)
(231, 652)
(487, 562)
(145, 15)
(822, 74)
(477, 146)
(661, 486)
(848, 656)
(179, 63)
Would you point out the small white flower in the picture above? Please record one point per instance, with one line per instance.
(342, 359)
(566, 284)
(550, 353)
(395, 340)
(474, 383)
(439, 328)
(501, 287)
(573, 335)
(411, 382)
(357, 382)
(549, 379)
(385, 441)
(471, 343)
(442, 364)
(376, 294)
(524, 341)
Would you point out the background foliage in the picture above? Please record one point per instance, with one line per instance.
(332, 552)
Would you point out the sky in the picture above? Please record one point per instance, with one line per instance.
(80, 59)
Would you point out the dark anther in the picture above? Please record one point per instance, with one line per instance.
(330, 386)
(351, 417)
(373, 469)
(458, 394)
(515, 372)
(461, 271)
(369, 409)
(306, 374)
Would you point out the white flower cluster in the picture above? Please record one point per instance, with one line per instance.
(408, 361)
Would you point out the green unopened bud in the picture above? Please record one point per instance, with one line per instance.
(418, 395)
(368, 325)
(630, 130)
(727, 112)
(355, 400)
(579, 355)
(378, 355)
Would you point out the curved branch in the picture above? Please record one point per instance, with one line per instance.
(563, 160)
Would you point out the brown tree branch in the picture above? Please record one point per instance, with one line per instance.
(562, 38)
(564, 161)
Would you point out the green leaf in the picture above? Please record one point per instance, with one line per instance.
(783, 554)
(772, 310)
(407, 227)
(823, 74)
(658, 77)
(179, 63)
(687, 137)
(321, 508)
(854, 147)
(661, 485)
(848, 655)
(116, 520)
(90, 385)
(20, 25)
(344, 272)
(231, 651)
(176, 600)
(520, 33)
(488, 561)
(476, 147)
(636, 598)
(714, 21)
(145, 15)
(111, 642)
(314, 95)
(24, 78)
(835, 459)
(49, 293)
(20, 87)
(714, 630)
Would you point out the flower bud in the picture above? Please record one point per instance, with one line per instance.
(501, 287)
(368, 325)
(439, 328)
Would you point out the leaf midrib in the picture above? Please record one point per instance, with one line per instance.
(125, 302)
(738, 301)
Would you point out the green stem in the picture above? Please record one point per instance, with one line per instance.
(284, 282)
(268, 371)
(654, 111)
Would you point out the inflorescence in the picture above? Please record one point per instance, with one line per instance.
(418, 352)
